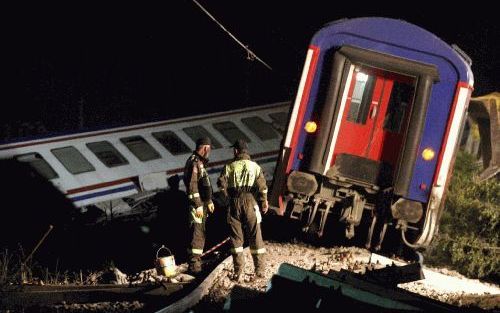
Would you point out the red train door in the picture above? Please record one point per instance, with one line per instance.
(375, 117)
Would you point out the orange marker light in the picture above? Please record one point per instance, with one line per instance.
(311, 127)
(428, 154)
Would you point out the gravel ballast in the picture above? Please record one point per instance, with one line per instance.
(439, 284)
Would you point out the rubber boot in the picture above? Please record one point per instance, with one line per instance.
(194, 264)
(239, 264)
(259, 264)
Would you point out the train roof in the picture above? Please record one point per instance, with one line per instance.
(51, 137)
(377, 33)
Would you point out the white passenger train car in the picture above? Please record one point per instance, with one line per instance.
(103, 167)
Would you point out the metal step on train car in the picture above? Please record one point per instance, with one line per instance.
(373, 131)
(118, 169)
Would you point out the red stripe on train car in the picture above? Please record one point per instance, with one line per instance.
(303, 104)
(460, 85)
(100, 185)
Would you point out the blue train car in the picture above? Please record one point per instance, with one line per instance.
(373, 131)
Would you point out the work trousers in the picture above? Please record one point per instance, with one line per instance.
(197, 231)
(244, 212)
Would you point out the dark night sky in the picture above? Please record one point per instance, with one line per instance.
(130, 64)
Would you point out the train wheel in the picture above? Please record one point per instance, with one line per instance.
(309, 233)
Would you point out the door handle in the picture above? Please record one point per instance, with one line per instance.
(374, 112)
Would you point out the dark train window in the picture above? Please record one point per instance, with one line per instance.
(171, 142)
(398, 105)
(140, 148)
(73, 160)
(279, 120)
(38, 163)
(230, 131)
(259, 127)
(361, 98)
(107, 153)
(196, 132)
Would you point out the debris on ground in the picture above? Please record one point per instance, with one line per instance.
(354, 259)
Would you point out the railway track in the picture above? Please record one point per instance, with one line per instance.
(44, 297)
(145, 292)
(211, 291)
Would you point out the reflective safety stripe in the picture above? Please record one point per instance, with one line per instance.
(258, 251)
(194, 218)
(194, 195)
(257, 214)
(196, 251)
(237, 250)
(204, 174)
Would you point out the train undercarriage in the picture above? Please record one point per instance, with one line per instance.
(143, 206)
(359, 206)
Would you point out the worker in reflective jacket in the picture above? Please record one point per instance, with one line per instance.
(240, 180)
(199, 191)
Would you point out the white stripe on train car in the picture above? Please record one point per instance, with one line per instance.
(298, 99)
(338, 121)
(444, 163)
(451, 141)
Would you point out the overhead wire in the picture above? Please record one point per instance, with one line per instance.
(250, 54)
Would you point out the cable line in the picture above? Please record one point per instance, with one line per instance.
(250, 54)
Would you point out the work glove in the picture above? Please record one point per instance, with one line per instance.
(264, 206)
(210, 207)
(199, 212)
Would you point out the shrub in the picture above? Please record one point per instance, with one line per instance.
(468, 238)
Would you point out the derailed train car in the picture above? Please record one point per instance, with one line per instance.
(118, 170)
(373, 131)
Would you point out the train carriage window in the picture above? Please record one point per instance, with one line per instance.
(107, 153)
(38, 163)
(171, 142)
(361, 98)
(259, 127)
(73, 160)
(230, 131)
(280, 119)
(140, 148)
(196, 132)
(398, 105)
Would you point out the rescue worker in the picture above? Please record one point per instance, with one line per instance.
(199, 191)
(239, 180)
